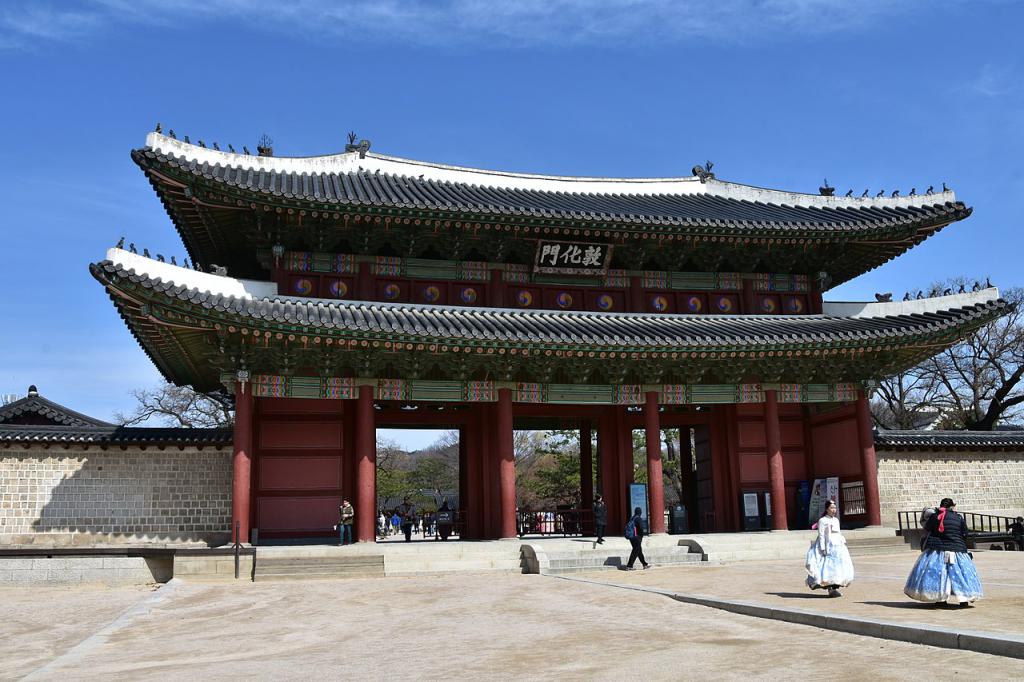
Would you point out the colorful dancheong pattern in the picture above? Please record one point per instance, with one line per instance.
(675, 394)
(524, 298)
(468, 295)
(768, 305)
(387, 266)
(749, 393)
(659, 303)
(616, 278)
(730, 281)
(628, 394)
(392, 291)
(338, 387)
(474, 271)
(655, 279)
(529, 392)
(344, 264)
(338, 288)
(564, 299)
(298, 261)
(694, 304)
(605, 302)
(269, 386)
(431, 294)
(795, 304)
(516, 273)
(790, 393)
(479, 392)
(303, 286)
(844, 392)
(392, 389)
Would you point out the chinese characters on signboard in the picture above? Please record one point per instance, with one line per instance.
(572, 258)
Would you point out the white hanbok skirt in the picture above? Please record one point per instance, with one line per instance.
(832, 569)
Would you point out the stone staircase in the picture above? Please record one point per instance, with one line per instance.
(733, 547)
(866, 546)
(316, 564)
(554, 557)
(436, 558)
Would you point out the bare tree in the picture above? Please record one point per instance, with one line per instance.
(975, 384)
(978, 382)
(905, 400)
(171, 405)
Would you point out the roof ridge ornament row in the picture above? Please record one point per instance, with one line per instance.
(358, 158)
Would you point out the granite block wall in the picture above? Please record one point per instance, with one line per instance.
(87, 495)
(982, 482)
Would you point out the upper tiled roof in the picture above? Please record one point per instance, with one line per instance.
(114, 435)
(950, 440)
(380, 181)
(645, 331)
(37, 410)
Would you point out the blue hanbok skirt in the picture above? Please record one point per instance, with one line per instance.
(943, 576)
(834, 569)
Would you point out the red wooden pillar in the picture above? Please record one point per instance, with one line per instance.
(241, 483)
(776, 476)
(506, 464)
(636, 295)
(655, 480)
(496, 295)
(607, 449)
(868, 462)
(364, 283)
(624, 459)
(366, 466)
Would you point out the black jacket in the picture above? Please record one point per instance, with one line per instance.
(601, 513)
(638, 527)
(953, 537)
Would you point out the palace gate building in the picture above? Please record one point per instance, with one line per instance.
(339, 294)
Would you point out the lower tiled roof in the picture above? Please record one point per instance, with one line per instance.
(114, 435)
(449, 324)
(949, 440)
(35, 409)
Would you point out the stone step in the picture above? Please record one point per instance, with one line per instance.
(284, 562)
(283, 577)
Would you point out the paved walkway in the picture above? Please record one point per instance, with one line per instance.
(876, 593)
(468, 626)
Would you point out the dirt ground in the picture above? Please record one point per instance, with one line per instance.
(469, 626)
(877, 591)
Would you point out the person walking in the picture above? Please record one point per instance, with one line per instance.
(407, 512)
(828, 560)
(635, 533)
(945, 572)
(348, 513)
(600, 518)
(396, 522)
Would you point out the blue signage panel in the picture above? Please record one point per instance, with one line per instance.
(638, 498)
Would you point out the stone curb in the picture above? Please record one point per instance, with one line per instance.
(994, 643)
(142, 607)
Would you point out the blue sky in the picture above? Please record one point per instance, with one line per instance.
(780, 93)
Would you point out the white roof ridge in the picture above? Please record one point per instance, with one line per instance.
(921, 306)
(350, 162)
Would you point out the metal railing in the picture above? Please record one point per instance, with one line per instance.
(564, 522)
(976, 523)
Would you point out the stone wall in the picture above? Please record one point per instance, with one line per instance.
(983, 482)
(87, 495)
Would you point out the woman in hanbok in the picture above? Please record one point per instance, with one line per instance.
(945, 570)
(829, 566)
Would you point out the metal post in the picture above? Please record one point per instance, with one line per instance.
(238, 546)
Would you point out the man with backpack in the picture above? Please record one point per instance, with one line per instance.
(635, 533)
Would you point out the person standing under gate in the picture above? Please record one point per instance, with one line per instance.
(600, 517)
(635, 534)
(348, 513)
(408, 514)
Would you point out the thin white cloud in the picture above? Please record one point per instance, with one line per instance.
(461, 22)
(994, 80)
